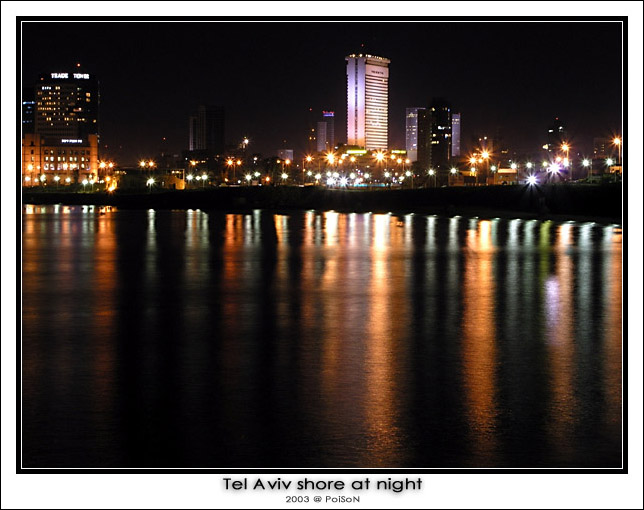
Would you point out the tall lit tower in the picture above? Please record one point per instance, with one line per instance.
(367, 100)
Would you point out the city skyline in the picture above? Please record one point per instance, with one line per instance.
(250, 85)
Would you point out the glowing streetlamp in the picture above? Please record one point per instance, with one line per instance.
(531, 180)
(150, 183)
(84, 183)
(432, 173)
(56, 178)
(204, 178)
(617, 141)
(566, 148)
(515, 167)
(587, 163)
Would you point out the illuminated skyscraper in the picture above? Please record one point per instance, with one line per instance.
(60, 129)
(66, 106)
(367, 101)
(411, 133)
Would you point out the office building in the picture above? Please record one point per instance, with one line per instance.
(66, 106)
(206, 130)
(602, 148)
(435, 138)
(456, 135)
(311, 131)
(556, 136)
(326, 132)
(28, 110)
(60, 129)
(44, 161)
(411, 132)
(367, 101)
(285, 154)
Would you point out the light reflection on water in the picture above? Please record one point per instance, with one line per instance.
(318, 339)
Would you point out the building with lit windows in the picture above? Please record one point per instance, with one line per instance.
(67, 161)
(435, 138)
(66, 105)
(367, 101)
(556, 136)
(28, 110)
(456, 135)
(411, 132)
(63, 145)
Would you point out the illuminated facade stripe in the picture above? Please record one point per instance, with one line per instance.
(367, 101)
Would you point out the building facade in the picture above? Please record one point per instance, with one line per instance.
(456, 135)
(60, 129)
(326, 132)
(367, 101)
(66, 106)
(207, 130)
(435, 138)
(46, 161)
(556, 136)
(28, 110)
(411, 132)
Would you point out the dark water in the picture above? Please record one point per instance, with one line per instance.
(187, 339)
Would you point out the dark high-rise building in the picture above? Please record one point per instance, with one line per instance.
(326, 132)
(411, 132)
(66, 106)
(556, 136)
(311, 133)
(28, 110)
(602, 148)
(456, 135)
(435, 138)
(206, 129)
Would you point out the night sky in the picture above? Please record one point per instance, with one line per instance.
(513, 78)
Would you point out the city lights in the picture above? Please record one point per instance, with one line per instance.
(532, 180)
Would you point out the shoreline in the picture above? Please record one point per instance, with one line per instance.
(560, 202)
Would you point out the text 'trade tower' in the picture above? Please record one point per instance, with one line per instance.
(367, 101)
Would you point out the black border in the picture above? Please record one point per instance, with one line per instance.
(353, 19)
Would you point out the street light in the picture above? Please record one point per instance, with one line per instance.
(566, 148)
(150, 183)
(588, 164)
(514, 167)
(617, 141)
(432, 173)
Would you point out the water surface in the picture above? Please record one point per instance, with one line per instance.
(318, 339)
